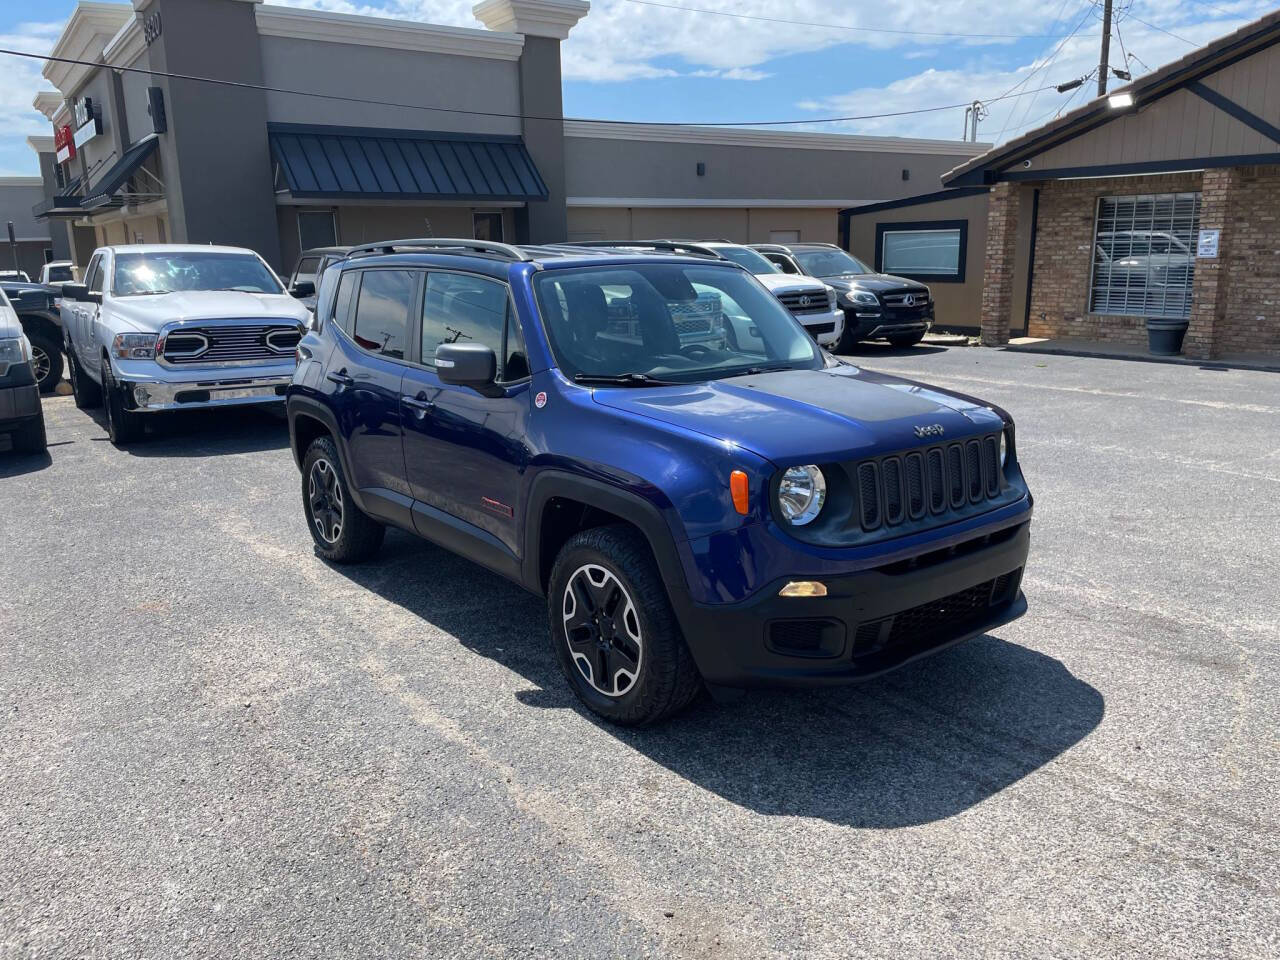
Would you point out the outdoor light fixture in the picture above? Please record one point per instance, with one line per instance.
(1118, 101)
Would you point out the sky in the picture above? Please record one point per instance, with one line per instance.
(648, 60)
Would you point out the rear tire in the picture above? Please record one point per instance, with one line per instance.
(46, 360)
(904, 340)
(613, 630)
(85, 392)
(31, 438)
(343, 533)
(123, 425)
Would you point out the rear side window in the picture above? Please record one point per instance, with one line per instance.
(382, 311)
(460, 308)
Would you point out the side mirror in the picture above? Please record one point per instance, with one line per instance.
(466, 365)
(303, 288)
(75, 291)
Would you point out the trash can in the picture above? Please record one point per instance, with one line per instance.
(1164, 337)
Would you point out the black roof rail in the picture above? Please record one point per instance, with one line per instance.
(670, 246)
(443, 245)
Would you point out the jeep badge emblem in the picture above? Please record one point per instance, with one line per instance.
(540, 400)
(932, 430)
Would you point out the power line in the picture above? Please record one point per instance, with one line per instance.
(842, 26)
(1046, 63)
(1078, 27)
(242, 85)
(1163, 30)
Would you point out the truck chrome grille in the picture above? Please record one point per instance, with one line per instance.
(232, 343)
(897, 489)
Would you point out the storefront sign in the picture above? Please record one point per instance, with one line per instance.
(1207, 247)
(82, 111)
(88, 121)
(151, 27)
(64, 143)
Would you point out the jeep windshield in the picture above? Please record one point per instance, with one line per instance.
(149, 274)
(830, 263)
(647, 324)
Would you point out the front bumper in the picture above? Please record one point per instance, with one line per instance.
(873, 324)
(869, 622)
(150, 388)
(826, 328)
(19, 397)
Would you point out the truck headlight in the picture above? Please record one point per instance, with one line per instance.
(134, 346)
(12, 351)
(801, 494)
(864, 297)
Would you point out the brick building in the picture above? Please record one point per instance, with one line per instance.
(1161, 200)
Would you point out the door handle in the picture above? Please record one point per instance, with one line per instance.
(340, 378)
(419, 407)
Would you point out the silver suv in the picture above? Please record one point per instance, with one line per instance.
(167, 327)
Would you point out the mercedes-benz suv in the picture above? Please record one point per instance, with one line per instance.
(752, 512)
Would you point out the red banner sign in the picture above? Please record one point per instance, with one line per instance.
(64, 143)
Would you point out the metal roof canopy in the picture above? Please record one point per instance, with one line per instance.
(103, 193)
(346, 163)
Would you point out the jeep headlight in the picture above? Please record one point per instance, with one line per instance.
(864, 297)
(801, 494)
(12, 351)
(134, 346)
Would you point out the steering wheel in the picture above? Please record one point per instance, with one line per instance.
(695, 351)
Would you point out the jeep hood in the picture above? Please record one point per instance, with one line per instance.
(809, 416)
(153, 312)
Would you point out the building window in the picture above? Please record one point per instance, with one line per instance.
(932, 251)
(1144, 255)
(316, 228)
(487, 226)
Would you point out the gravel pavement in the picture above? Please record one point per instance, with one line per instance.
(214, 745)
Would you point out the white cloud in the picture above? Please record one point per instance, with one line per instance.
(19, 80)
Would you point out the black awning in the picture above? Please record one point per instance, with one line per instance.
(64, 204)
(341, 163)
(102, 193)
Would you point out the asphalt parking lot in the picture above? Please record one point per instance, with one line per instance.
(213, 744)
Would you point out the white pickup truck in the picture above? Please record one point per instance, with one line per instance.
(165, 327)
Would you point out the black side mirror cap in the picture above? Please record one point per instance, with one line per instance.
(75, 291)
(466, 365)
(303, 288)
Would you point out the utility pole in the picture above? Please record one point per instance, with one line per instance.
(1104, 62)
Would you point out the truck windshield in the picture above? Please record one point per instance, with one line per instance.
(830, 263)
(142, 274)
(662, 323)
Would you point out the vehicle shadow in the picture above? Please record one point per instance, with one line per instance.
(918, 745)
(874, 349)
(19, 464)
(206, 433)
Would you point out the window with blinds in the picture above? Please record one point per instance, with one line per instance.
(1144, 255)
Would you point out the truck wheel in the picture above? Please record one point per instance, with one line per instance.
(85, 392)
(905, 339)
(613, 629)
(31, 437)
(46, 361)
(342, 531)
(123, 425)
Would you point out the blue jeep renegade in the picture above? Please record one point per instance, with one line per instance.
(734, 511)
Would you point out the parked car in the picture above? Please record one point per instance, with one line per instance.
(59, 271)
(750, 514)
(306, 272)
(21, 276)
(1142, 258)
(876, 305)
(37, 309)
(21, 415)
(165, 327)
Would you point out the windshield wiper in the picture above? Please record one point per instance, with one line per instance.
(622, 379)
(752, 371)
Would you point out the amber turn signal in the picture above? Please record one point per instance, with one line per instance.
(738, 487)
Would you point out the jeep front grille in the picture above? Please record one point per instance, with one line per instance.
(232, 343)
(945, 478)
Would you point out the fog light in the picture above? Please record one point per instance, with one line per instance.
(140, 395)
(804, 588)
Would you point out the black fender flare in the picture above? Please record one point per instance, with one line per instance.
(635, 509)
(44, 320)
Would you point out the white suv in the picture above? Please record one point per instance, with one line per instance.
(167, 327)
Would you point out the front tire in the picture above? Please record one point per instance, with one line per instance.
(343, 533)
(46, 361)
(613, 630)
(123, 425)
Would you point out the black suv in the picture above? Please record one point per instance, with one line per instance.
(876, 305)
